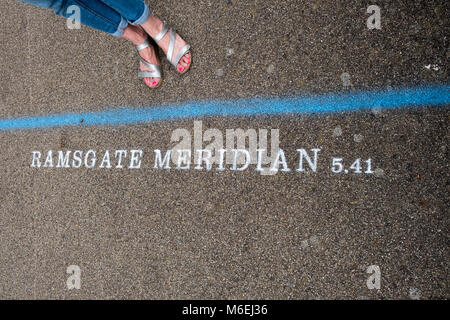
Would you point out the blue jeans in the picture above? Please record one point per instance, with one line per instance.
(111, 16)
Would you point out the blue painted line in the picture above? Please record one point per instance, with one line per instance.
(434, 95)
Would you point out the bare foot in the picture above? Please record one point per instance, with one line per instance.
(137, 36)
(153, 27)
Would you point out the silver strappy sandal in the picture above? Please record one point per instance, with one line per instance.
(171, 47)
(156, 73)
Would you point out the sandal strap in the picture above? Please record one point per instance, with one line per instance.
(180, 55)
(150, 74)
(143, 45)
(162, 33)
(171, 47)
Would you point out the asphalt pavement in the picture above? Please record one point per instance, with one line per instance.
(195, 234)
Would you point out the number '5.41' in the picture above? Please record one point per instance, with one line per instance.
(337, 166)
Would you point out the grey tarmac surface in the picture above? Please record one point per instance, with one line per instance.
(158, 234)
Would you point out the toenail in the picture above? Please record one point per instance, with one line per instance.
(181, 69)
(154, 83)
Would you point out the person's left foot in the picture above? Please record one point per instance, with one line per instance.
(149, 55)
(137, 36)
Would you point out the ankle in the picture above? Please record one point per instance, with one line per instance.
(152, 26)
(134, 34)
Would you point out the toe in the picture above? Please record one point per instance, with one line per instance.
(154, 82)
(184, 64)
(187, 58)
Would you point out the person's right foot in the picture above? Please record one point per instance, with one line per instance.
(153, 27)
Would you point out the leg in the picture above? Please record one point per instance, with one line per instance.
(94, 14)
(135, 11)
